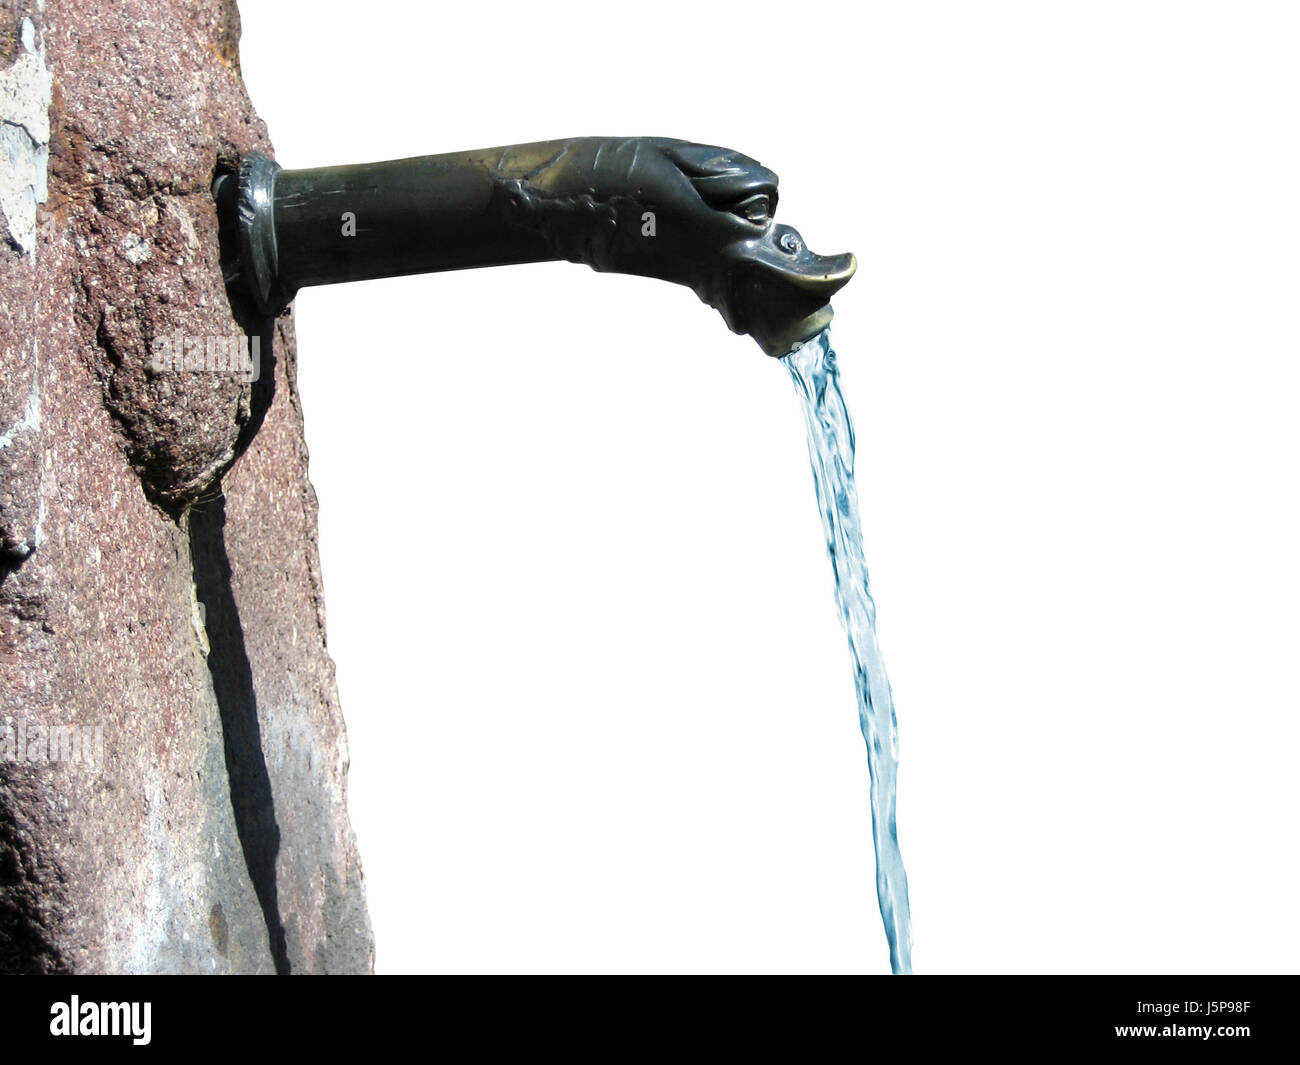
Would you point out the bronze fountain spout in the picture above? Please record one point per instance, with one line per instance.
(692, 214)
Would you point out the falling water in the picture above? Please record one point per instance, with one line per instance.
(830, 447)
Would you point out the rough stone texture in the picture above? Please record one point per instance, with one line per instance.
(211, 834)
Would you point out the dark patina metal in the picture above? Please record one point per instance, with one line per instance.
(692, 214)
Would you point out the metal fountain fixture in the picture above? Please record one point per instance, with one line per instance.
(692, 214)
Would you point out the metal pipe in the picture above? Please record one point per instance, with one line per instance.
(692, 214)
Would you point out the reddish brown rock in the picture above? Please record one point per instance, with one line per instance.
(161, 586)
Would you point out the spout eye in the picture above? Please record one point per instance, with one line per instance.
(756, 209)
(728, 181)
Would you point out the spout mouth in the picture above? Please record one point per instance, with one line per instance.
(780, 342)
(781, 294)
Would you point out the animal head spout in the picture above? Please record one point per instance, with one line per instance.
(759, 274)
(692, 214)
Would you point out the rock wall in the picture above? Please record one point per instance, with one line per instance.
(172, 754)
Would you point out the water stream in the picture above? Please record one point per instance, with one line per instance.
(814, 371)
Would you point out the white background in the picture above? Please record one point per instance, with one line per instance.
(600, 709)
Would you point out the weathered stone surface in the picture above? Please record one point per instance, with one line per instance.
(136, 504)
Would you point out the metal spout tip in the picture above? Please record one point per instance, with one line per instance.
(780, 295)
(836, 272)
(802, 331)
(833, 273)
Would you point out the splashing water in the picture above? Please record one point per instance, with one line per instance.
(830, 447)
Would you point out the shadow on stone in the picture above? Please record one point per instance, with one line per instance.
(232, 682)
(232, 675)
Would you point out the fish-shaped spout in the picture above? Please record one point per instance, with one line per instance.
(692, 214)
